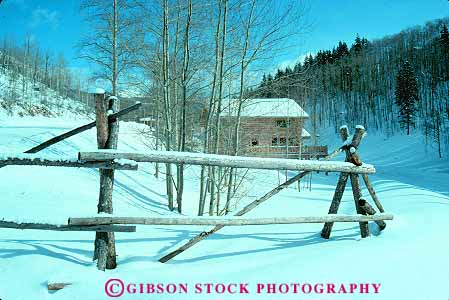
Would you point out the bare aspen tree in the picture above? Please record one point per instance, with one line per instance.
(210, 110)
(166, 91)
(105, 45)
(184, 82)
(243, 66)
(218, 111)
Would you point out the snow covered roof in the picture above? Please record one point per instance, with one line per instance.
(305, 134)
(145, 119)
(93, 90)
(265, 107)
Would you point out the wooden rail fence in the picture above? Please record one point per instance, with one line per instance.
(107, 159)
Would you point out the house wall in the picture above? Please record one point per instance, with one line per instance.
(264, 130)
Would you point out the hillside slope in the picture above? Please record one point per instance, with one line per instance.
(19, 96)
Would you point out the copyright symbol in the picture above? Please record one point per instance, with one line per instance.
(114, 288)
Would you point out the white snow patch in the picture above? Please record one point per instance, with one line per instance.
(123, 161)
(41, 157)
(269, 107)
(99, 91)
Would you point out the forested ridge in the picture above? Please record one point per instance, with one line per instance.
(366, 82)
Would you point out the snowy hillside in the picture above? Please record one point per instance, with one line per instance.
(408, 259)
(19, 96)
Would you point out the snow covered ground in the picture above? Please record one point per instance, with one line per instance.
(409, 259)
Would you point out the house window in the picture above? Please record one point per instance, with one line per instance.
(279, 141)
(254, 142)
(283, 123)
(282, 141)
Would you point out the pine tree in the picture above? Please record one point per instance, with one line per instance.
(444, 37)
(269, 90)
(358, 45)
(444, 46)
(406, 95)
(342, 50)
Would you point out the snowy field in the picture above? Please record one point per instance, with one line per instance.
(409, 259)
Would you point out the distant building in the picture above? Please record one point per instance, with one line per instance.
(150, 121)
(268, 128)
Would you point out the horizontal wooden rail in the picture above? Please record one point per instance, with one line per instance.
(19, 159)
(43, 226)
(226, 221)
(227, 161)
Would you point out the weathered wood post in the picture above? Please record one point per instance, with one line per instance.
(352, 156)
(339, 190)
(107, 136)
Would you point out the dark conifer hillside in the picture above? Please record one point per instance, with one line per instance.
(363, 84)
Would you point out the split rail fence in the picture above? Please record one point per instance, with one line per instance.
(107, 159)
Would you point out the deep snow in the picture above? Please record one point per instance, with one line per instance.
(408, 259)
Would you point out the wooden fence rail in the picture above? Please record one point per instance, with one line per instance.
(226, 221)
(228, 161)
(44, 226)
(20, 159)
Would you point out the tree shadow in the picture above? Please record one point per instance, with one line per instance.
(279, 243)
(124, 189)
(44, 250)
(279, 240)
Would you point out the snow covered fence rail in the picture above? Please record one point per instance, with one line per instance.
(21, 159)
(235, 221)
(227, 161)
(44, 226)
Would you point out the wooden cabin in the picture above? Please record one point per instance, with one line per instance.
(271, 127)
(149, 121)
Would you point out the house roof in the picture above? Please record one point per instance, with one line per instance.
(305, 134)
(264, 107)
(147, 119)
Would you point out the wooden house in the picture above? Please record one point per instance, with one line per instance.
(271, 127)
(149, 121)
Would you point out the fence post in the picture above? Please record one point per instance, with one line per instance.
(339, 190)
(352, 156)
(107, 136)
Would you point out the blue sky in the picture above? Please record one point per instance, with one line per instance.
(57, 25)
(335, 20)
